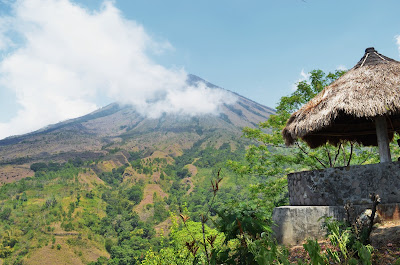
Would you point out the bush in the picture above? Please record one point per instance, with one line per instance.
(108, 245)
(5, 213)
(182, 173)
(135, 194)
(67, 226)
(39, 167)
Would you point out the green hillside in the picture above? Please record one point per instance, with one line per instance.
(117, 207)
(110, 187)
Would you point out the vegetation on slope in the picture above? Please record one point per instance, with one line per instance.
(92, 209)
(207, 203)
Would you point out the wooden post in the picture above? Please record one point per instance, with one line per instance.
(383, 139)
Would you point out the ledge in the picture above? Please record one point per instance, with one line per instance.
(336, 186)
(294, 224)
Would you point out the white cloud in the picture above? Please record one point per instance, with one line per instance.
(199, 99)
(341, 68)
(65, 56)
(303, 77)
(397, 38)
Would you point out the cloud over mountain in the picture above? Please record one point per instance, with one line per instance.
(59, 59)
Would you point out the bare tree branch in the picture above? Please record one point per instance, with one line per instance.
(337, 154)
(329, 155)
(304, 151)
(344, 155)
(351, 153)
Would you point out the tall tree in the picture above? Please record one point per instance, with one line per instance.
(270, 156)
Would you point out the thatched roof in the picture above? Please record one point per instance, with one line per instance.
(345, 110)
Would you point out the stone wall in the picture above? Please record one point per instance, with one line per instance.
(294, 224)
(336, 186)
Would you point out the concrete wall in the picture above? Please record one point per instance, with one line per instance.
(294, 224)
(336, 186)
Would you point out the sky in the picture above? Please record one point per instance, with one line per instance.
(61, 59)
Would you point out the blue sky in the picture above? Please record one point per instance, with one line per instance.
(258, 49)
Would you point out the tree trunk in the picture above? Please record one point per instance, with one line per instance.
(383, 139)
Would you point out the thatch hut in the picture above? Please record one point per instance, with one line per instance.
(361, 106)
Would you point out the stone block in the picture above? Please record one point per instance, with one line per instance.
(336, 186)
(294, 224)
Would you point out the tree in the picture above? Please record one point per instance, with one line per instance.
(271, 161)
(270, 157)
(135, 194)
(39, 167)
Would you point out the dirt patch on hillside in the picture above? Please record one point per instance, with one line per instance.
(174, 150)
(148, 193)
(161, 154)
(11, 173)
(90, 178)
(132, 176)
(188, 181)
(107, 166)
(163, 228)
(121, 158)
(72, 251)
(49, 256)
(192, 169)
(156, 177)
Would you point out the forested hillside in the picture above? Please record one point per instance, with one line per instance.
(176, 190)
(111, 187)
(117, 208)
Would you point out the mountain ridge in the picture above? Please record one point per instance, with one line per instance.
(93, 135)
(106, 185)
(113, 107)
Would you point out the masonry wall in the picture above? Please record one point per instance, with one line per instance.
(336, 186)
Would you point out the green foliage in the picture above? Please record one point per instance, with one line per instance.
(350, 247)
(167, 256)
(5, 213)
(8, 240)
(76, 162)
(178, 251)
(114, 177)
(135, 194)
(99, 261)
(35, 211)
(364, 252)
(204, 157)
(249, 222)
(135, 155)
(270, 157)
(314, 251)
(182, 173)
(38, 166)
(236, 227)
(41, 166)
(160, 213)
(346, 248)
(266, 251)
(114, 150)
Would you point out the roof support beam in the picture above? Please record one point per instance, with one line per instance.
(383, 139)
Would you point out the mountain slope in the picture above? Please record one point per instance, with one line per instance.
(126, 178)
(120, 126)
